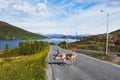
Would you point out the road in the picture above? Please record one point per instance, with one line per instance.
(96, 52)
(87, 68)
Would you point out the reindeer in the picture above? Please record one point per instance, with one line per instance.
(63, 57)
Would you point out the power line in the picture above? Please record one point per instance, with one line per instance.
(100, 21)
(115, 12)
(92, 26)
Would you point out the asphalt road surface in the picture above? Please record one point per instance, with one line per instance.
(87, 68)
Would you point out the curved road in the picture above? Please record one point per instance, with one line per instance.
(87, 68)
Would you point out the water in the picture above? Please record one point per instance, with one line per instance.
(57, 40)
(11, 43)
(15, 43)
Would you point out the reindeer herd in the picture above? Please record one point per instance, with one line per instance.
(64, 57)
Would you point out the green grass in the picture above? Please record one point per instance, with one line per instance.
(27, 68)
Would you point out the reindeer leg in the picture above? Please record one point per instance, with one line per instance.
(75, 61)
(63, 61)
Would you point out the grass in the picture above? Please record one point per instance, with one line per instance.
(0, 51)
(27, 68)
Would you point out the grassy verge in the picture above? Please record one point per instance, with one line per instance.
(26, 68)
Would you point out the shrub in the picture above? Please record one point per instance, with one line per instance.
(25, 48)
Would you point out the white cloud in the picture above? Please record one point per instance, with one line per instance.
(39, 18)
(22, 6)
(4, 3)
(80, 23)
(86, 20)
(25, 7)
(41, 9)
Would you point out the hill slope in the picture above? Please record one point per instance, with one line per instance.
(8, 31)
(113, 36)
(98, 42)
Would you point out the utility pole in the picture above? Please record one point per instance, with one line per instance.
(67, 40)
(107, 34)
(77, 36)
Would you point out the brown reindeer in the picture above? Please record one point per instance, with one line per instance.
(64, 57)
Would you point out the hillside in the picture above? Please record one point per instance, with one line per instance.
(97, 42)
(113, 36)
(8, 32)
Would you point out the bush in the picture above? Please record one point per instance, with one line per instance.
(31, 47)
(25, 48)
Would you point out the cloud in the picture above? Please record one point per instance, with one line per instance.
(59, 16)
(21, 6)
(86, 21)
(41, 9)
(92, 21)
(108, 3)
(114, 4)
(24, 7)
(4, 4)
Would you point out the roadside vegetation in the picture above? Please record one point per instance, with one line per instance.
(28, 62)
(97, 45)
(96, 42)
(96, 50)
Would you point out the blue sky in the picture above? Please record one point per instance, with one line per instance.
(61, 16)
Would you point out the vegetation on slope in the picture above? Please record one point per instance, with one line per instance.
(115, 34)
(28, 67)
(8, 31)
(96, 42)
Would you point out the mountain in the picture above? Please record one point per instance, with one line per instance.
(98, 42)
(77, 36)
(9, 32)
(64, 36)
(54, 35)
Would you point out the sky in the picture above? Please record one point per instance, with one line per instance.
(62, 16)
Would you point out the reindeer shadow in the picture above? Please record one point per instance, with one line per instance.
(58, 63)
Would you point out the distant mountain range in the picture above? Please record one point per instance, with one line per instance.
(10, 32)
(64, 36)
(112, 35)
